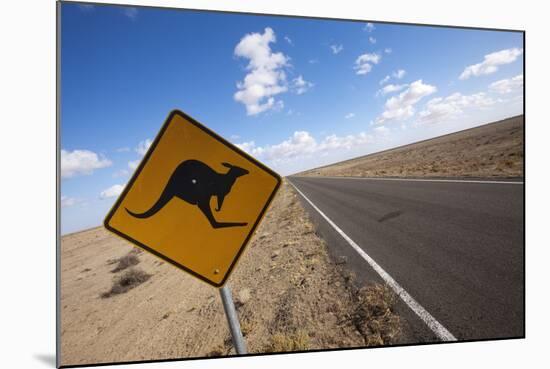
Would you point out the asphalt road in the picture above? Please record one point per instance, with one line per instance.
(456, 247)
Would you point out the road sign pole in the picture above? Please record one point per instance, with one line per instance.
(233, 320)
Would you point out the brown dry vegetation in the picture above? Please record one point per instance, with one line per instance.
(131, 278)
(289, 295)
(492, 150)
(126, 261)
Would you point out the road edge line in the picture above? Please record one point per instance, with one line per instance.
(419, 180)
(437, 328)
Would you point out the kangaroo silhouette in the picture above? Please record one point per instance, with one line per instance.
(195, 182)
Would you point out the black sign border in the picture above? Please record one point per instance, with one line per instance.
(115, 207)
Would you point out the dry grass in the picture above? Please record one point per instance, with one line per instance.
(280, 342)
(374, 315)
(132, 278)
(126, 261)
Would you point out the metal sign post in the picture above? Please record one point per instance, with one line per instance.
(233, 321)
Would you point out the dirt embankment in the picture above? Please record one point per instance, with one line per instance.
(492, 150)
(121, 304)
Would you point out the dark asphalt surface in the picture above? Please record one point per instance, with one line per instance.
(457, 248)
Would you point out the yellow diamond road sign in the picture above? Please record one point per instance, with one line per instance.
(194, 200)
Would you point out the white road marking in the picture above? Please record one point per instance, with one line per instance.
(436, 327)
(422, 180)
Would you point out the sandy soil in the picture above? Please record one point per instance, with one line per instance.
(492, 150)
(289, 294)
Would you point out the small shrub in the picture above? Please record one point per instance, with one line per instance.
(298, 341)
(136, 251)
(374, 315)
(126, 261)
(131, 278)
(246, 327)
(217, 352)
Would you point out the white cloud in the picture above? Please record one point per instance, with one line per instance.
(388, 50)
(112, 191)
(506, 86)
(81, 162)
(313, 61)
(369, 27)
(123, 149)
(388, 89)
(134, 164)
(248, 146)
(300, 86)
(363, 64)
(143, 146)
(400, 73)
(336, 49)
(372, 40)
(349, 115)
(121, 173)
(287, 39)
(440, 109)
(383, 130)
(130, 12)
(266, 77)
(385, 80)
(491, 62)
(348, 142)
(401, 107)
(68, 201)
(301, 144)
(141, 149)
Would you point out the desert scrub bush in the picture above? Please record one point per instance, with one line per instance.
(280, 342)
(126, 261)
(131, 278)
(136, 251)
(374, 317)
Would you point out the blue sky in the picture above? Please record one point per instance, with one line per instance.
(295, 93)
